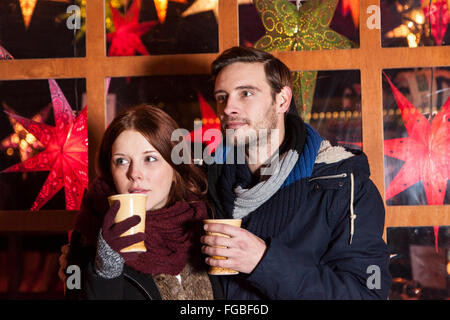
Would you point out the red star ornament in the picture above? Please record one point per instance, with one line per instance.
(425, 151)
(438, 13)
(209, 121)
(4, 54)
(65, 154)
(125, 40)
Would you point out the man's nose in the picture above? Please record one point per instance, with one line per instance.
(231, 107)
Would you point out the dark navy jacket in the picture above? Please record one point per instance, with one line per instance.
(310, 256)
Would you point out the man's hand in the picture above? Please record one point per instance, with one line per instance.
(243, 249)
(63, 262)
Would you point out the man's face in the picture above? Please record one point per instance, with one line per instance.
(244, 101)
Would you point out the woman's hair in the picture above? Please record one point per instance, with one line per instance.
(157, 127)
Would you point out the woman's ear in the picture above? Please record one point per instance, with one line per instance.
(284, 99)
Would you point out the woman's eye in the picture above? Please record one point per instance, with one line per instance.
(150, 159)
(246, 93)
(120, 162)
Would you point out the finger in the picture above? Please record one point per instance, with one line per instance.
(231, 231)
(227, 263)
(215, 251)
(61, 275)
(122, 226)
(110, 215)
(212, 240)
(126, 241)
(65, 249)
(62, 261)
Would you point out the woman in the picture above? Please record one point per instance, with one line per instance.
(135, 156)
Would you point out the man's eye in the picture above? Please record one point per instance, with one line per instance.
(221, 99)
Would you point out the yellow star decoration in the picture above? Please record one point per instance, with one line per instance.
(161, 8)
(200, 6)
(289, 29)
(27, 7)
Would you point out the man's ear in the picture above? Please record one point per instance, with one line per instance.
(284, 99)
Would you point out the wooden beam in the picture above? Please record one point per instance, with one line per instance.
(42, 221)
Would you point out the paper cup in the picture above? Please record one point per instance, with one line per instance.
(232, 222)
(131, 204)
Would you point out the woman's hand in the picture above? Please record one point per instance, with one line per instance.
(111, 232)
(63, 262)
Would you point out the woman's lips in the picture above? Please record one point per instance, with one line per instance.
(137, 191)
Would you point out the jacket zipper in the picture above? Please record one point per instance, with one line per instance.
(342, 175)
(135, 281)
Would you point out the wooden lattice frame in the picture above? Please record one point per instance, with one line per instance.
(370, 59)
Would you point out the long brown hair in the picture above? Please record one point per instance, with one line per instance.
(157, 127)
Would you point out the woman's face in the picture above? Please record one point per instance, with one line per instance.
(137, 167)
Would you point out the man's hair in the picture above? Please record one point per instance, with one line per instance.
(278, 74)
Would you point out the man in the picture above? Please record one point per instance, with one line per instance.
(311, 230)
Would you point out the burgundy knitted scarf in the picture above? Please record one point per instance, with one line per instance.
(172, 233)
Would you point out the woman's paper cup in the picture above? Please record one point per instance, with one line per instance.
(231, 222)
(131, 204)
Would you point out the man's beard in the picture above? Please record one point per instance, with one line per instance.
(258, 134)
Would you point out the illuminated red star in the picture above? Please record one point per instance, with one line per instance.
(209, 121)
(21, 139)
(439, 17)
(425, 151)
(65, 154)
(126, 39)
(352, 7)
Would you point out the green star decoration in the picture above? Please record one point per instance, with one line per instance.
(289, 29)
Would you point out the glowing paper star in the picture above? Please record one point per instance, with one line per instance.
(161, 8)
(289, 29)
(209, 121)
(351, 6)
(126, 41)
(200, 6)
(65, 154)
(425, 151)
(27, 7)
(21, 138)
(439, 16)
(5, 55)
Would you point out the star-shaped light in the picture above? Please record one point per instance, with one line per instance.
(161, 8)
(4, 54)
(21, 139)
(125, 40)
(65, 154)
(352, 7)
(27, 7)
(200, 6)
(289, 29)
(425, 151)
(209, 121)
(438, 13)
